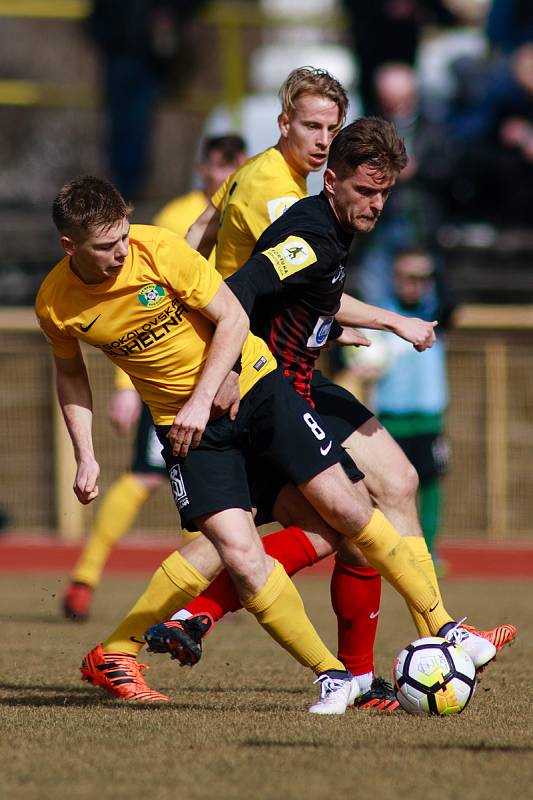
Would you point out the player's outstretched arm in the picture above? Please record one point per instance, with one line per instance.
(202, 235)
(355, 313)
(351, 336)
(75, 399)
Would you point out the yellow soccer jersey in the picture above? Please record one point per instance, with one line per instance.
(249, 201)
(147, 319)
(180, 213)
(122, 381)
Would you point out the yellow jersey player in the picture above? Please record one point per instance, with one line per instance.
(314, 107)
(121, 504)
(220, 157)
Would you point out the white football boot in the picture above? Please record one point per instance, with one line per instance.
(480, 650)
(338, 690)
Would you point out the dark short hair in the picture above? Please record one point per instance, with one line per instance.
(369, 140)
(230, 146)
(86, 203)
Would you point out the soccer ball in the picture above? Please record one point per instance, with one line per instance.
(434, 676)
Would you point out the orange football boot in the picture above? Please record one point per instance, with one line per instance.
(499, 636)
(119, 674)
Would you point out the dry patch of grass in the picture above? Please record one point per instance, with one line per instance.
(237, 726)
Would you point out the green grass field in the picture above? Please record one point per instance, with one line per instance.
(237, 726)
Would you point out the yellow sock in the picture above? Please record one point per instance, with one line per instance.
(117, 513)
(392, 557)
(174, 584)
(429, 623)
(279, 609)
(189, 536)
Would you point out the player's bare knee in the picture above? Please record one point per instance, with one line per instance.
(243, 559)
(399, 489)
(348, 514)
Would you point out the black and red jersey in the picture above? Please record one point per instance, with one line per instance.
(292, 284)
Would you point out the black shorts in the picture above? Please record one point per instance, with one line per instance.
(147, 455)
(275, 424)
(429, 453)
(341, 413)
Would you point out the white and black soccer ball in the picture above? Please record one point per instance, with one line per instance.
(434, 676)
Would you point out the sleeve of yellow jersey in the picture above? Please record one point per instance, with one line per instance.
(218, 198)
(185, 271)
(265, 209)
(63, 345)
(168, 216)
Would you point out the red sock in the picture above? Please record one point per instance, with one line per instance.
(290, 547)
(355, 597)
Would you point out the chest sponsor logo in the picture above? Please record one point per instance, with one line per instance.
(291, 256)
(155, 328)
(320, 332)
(278, 206)
(151, 295)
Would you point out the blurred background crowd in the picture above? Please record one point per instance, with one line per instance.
(129, 87)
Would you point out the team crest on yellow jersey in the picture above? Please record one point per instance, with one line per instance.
(278, 206)
(290, 256)
(151, 295)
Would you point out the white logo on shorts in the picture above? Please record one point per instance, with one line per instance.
(325, 450)
(374, 614)
(178, 487)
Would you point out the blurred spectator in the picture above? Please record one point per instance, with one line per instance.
(219, 158)
(388, 30)
(493, 134)
(416, 207)
(139, 41)
(509, 24)
(409, 389)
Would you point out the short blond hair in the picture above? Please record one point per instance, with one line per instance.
(310, 80)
